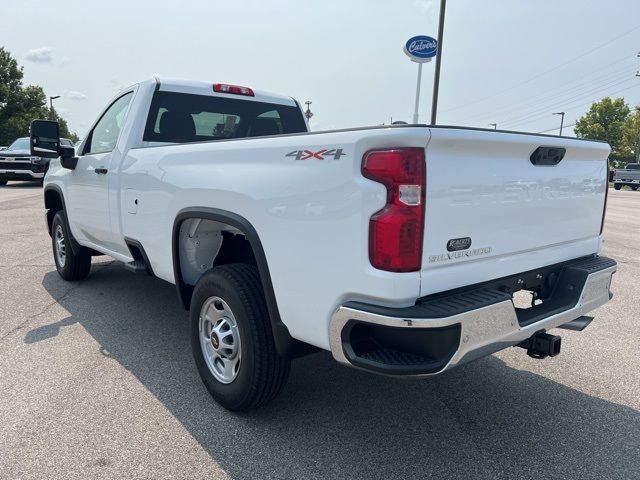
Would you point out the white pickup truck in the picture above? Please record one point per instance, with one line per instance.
(398, 249)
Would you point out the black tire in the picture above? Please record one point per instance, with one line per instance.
(74, 266)
(262, 372)
(617, 187)
(3, 182)
(634, 188)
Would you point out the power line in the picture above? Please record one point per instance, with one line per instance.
(558, 94)
(573, 124)
(557, 128)
(530, 79)
(569, 107)
(583, 95)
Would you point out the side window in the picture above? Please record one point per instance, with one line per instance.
(105, 134)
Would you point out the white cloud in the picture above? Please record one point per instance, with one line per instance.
(39, 55)
(427, 6)
(74, 95)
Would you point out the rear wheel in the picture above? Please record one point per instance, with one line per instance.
(3, 182)
(617, 187)
(231, 338)
(71, 266)
(634, 188)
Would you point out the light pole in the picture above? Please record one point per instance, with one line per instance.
(51, 99)
(436, 79)
(561, 121)
(494, 125)
(308, 113)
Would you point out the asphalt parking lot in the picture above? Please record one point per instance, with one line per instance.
(97, 381)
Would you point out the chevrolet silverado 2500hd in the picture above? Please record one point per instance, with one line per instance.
(398, 249)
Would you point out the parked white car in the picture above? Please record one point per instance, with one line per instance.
(398, 249)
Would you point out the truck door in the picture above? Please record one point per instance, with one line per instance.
(88, 188)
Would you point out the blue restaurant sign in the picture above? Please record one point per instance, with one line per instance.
(421, 48)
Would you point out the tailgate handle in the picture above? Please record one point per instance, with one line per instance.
(547, 155)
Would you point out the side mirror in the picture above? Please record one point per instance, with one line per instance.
(45, 142)
(45, 139)
(68, 158)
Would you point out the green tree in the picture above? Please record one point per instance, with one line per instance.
(10, 77)
(631, 134)
(605, 120)
(20, 104)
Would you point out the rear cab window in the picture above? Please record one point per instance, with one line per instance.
(183, 117)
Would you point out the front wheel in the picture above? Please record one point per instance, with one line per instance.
(3, 182)
(617, 187)
(232, 341)
(71, 266)
(634, 188)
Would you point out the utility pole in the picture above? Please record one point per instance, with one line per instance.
(436, 80)
(561, 121)
(51, 99)
(494, 125)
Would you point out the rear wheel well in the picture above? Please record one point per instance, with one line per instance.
(207, 237)
(204, 244)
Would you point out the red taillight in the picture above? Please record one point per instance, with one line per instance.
(396, 231)
(235, 89)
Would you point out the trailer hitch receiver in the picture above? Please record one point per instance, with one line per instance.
(542, 345)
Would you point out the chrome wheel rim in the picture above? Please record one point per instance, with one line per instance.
(220, 339)
(60, 246)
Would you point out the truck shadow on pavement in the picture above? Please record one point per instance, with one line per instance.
(483, 420)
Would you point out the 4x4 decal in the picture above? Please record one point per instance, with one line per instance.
(336, 153)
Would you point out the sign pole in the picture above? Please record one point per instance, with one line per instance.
(415, 112)
(436, 80)
(420, 49)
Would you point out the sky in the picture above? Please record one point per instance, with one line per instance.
(510, 62)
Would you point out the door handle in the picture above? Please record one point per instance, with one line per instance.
(101, 170)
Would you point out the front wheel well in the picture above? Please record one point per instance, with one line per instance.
(53, 203)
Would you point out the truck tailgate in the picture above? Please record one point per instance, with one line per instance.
(492, 212)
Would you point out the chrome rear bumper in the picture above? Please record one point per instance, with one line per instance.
(487, 321)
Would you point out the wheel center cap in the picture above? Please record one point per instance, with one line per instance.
(215, 343)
